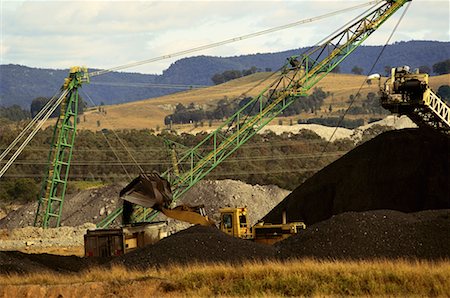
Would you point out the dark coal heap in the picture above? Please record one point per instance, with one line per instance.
(198, 244)
(404, 170)
(374, 235)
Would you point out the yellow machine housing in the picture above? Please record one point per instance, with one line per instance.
(234, 222)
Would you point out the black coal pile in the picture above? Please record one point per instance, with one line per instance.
(404, 170)
(18, 262)
(197, 244)
(374, 234)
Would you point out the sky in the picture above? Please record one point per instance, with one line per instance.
(105, 34)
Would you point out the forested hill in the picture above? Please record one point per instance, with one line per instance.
(21, 84)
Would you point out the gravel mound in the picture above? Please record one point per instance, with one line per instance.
(405, 170)
(374, 234)
(196, 244)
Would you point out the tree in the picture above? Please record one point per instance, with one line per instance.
(442, 67)
(444, 93)
(14, 113)
(218, 79)
(39, 102)
(424, 69)
(357, 70)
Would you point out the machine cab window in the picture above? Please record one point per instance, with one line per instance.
(227, 221)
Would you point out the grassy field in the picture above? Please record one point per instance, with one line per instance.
(150, 113)
(271, 279)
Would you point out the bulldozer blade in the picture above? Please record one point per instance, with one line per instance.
(148, 190)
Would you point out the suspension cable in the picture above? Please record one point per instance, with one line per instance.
(231, 40)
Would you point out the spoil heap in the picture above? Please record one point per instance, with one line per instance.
(374, 234)
(405, 170)
(198, 244)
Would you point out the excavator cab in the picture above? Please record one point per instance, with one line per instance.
(234, 222)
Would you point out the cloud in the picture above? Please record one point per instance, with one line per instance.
(104, 34)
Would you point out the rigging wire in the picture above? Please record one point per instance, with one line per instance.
(29, 126)
(165, 162)
(151, 85)
(117, 156)
(33, 133)
(231, 40)
(118, 138)
(364, 82)
(230, 174)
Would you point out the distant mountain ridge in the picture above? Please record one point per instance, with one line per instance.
(21, 84)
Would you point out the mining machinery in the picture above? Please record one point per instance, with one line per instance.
(408, 93)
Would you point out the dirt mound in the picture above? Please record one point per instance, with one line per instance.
(197, 244)
(405, 170)
(374, 234)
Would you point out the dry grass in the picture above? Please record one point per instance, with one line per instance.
(150, 113)
(299, 278)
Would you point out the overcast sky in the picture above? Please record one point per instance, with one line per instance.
(104, 34)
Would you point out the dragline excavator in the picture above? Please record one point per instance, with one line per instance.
(296, 78)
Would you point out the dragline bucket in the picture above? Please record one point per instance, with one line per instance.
(148, 190)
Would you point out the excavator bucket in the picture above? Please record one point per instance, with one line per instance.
(148, 190)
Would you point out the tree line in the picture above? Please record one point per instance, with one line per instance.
(229, 75)
(226, 108)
